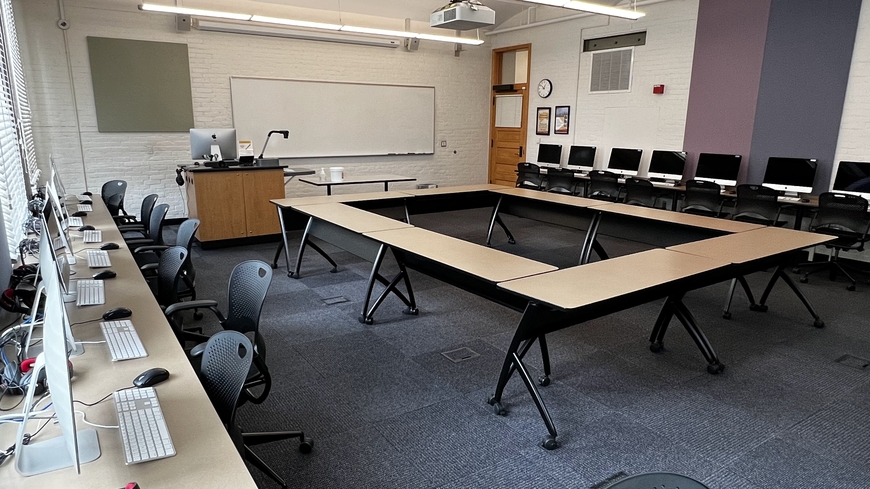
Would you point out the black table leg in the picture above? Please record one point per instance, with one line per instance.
(780, 274)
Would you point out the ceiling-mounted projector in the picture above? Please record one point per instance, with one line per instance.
(462, 15)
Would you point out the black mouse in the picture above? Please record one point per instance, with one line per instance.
(87, 227)
(88, 202)
(110, 246)
(151, 377)
(117, 313)
(79, 214)
(105, 274)
(87, 193)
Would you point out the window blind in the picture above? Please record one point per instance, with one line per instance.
(20, 102)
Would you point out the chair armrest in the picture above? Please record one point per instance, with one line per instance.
(131, 227)
(135, 243)
(197, 350)
(198, 304)
(125, 218)
(143, 249)
(149, 266)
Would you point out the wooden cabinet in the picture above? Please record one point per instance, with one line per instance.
(234, 203)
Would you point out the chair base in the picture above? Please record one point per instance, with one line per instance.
(833, 267)
(253, 439)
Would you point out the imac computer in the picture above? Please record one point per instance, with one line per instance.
(667, 165)
(624, 161)
(213, 144)
(581, 158)
(550, 155)
(853, 177)
(792, 176)
(55, 211)
(718, 168)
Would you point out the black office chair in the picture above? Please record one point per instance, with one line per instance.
(168, 270)
(113, 205)
(226, 361)
(154, 235)
(756, 204)
(843, 216)
(640, 192)
(129, 224)
(703, 198)
(561, 181)
(150, 254)
(529, 176)
(603, 185)
(112, 188)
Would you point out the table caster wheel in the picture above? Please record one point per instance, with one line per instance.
(850, 288)
(544, 381)
(512, 241)
(656, 347)
(819, 323)
(726, 315)
(334, 270)
(549, 442)
(758, 307)
(715, 368)
(796, 270)
(306, 445)
(292, 275)
(364, 320)
(497, 408)
(411, 312)
(803, 280)
(274, 266)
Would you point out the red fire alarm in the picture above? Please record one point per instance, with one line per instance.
(658, 89)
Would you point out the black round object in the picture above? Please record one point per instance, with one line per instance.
(656, 480)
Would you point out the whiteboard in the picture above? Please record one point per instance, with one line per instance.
(333, 118)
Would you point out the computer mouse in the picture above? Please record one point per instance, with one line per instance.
(79, 214)
(117, 313)
(110, 246)
(151, 377)
(88, 193)
(105, 274)
(88, 202)
(87, 227)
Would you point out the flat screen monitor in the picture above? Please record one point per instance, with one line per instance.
(550, 155)
(853, 177)
(63, 226)
(624, 161)
(213, 144)
(581, 158)
(790, 175)
(667, 165)
(718, 168)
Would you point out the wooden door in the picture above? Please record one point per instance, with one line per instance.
(509, 112)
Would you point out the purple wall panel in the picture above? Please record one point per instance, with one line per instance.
(726, 72)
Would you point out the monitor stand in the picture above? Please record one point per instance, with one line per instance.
(791, 194)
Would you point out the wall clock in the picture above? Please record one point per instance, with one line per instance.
(545, 88)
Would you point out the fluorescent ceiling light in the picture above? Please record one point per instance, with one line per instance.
(591, 7)
(168, 9)
(252, 29)
(150, 7)
(296, 23)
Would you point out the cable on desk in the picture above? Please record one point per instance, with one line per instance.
(85, 322)
(85, 421)
(103, 399)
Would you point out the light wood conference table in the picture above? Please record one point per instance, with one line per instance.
(362, 179)
(206, 456)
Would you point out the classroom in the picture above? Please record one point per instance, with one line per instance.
(381, 397)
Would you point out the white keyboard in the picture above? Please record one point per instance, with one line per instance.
(74, 222)
(143, 429)
(93, 236)
(90, 292)
(789, 199)
(83, 198)
(123, 341)
(98, 259)
(85, 207)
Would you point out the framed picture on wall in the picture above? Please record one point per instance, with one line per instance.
(542, 128)
(563, 118)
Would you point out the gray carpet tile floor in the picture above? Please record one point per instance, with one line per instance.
(387, 408)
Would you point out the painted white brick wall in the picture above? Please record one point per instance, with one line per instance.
(665, 59)
(854, 141)
(148, 160)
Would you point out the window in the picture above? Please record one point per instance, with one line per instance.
(611, 70)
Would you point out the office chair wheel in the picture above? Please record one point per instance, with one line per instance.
(512, 241)
(796, 270)
(819, 323)
(290, 274)
(411, 312)
(334, 270)
(758, 307)
(726, 315)
(274, 266)
(365, 320)
(656, 346)
(497, 407)
(850, 288)
(197, 315)
(544, 381)
(715, 368)
(306, 445)
(804, 279)
(549, 442)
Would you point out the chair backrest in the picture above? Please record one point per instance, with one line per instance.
(114, 187)
(155, 224)
(841, 213)
(248, 286)
(186, 232)
(172, 261)
(756, 203)
(561, 181)
(702, 197)
(640, 192)
(113, 204)
(603, 185)
(226, 361)
(147, 208)
(529, 176)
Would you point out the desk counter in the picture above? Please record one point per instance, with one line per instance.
(753, 245)
(693, 220)
(350, 218)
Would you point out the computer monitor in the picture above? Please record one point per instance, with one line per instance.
(790, 175)
(853, 177)
(550, 155)
(54, 177)
(667, 165)
(56, 212)
(213, 144)
(73, 447)
(718, 168)
(581, 158)
(624, 161)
